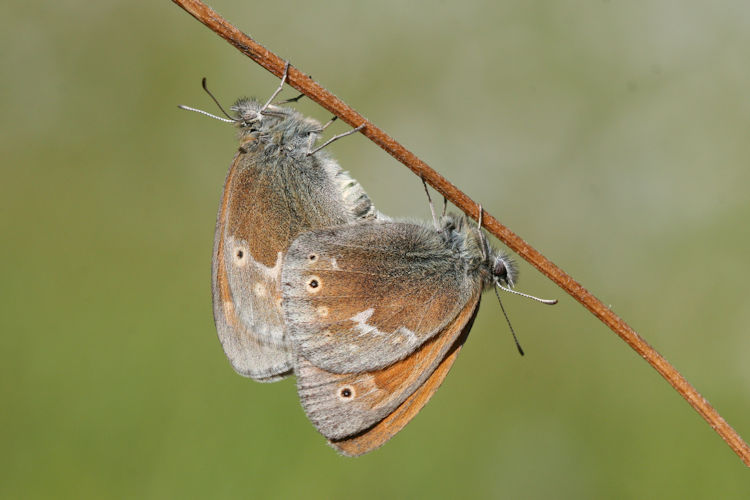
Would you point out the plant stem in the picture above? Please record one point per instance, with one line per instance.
(317, 93)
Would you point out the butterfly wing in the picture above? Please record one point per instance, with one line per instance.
(268, 199)
(362, 296)
(375, 436)
(360, 411)
(250, 326)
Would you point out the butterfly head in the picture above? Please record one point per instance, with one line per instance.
(275, 124)
(251, 116)
(472, 245)
(504, 269)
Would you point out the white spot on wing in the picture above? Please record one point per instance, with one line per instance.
(274, 272)
(362, 317)
(402, 333)
(409, 335)
(360, 323)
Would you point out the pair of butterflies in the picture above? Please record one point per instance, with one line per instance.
(309, 279)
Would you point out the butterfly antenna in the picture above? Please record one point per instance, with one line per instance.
(203, 84)
(549, 302)
(507, 319)
(445, 205)
(280, 87)
(335, 138)
(228, 118)
(188, 108)
(432, 208)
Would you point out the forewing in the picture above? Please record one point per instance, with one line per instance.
(245, 277)
(269, 198)
(351, 406)
(362, 296)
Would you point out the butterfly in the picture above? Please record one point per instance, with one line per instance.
(377, 312)
(277, 187)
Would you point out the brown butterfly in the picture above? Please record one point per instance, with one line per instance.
(276, 188)
(377, 312)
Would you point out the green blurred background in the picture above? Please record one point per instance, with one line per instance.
(613, 136)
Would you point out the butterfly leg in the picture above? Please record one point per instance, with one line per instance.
(329, 122)
(479, 226)
(291, 99)
(335, 138)
(280, 87)
(294, 99)
(314, 137)
(432, 208)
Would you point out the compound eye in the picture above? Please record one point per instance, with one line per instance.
(500, 270)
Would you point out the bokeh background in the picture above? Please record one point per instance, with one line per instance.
(613, 136)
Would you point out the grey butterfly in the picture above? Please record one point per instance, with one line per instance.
(377, 312)
(274, 190)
